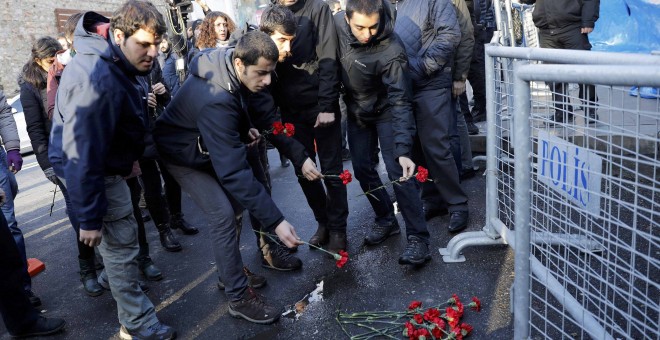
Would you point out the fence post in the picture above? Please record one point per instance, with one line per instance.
(491, 145)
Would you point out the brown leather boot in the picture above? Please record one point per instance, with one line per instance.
(320, 237)
(337, 241)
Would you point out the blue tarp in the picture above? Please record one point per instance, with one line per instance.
(627, 26)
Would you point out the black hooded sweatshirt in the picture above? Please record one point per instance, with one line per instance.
(376, 82)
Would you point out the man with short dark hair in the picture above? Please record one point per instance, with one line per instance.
(202, 136)
(307, 94)
(102, 109)
(379, 105)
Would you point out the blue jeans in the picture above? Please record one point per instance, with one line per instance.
(10, 187)
(362, 142)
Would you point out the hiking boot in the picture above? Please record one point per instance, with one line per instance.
(149, 269)
(320, 237)
(380, 233)
(177, 222)
(337, 241)
(253, 308)
(157, 331)
(416, 252)
(35, 301)
(167, 239)
(254, 280)
(88, 277)
(276, 256)
(458, 221)
(42, 326)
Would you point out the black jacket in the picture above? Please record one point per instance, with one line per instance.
(155, 77)
(36, 121)
(430, 33)
(102, 110)
(308, 80)
(564, 14)
(210, 112)
(375, 79)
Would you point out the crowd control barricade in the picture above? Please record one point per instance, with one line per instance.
(577, 197)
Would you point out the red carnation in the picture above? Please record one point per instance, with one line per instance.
(459, 308)
(414, 305)
(346, 177)
(431, 314)
(422, 333)
(437, 333)
(278, 128)
(454, 299)
(289, 129)
(343, 258)
(452, 316)
(422, 174)
(418, 319)
(475, 304)
(441, 323)
(465, 329)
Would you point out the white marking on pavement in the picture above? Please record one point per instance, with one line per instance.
(170, 300)
(46, 227)
(57, 231)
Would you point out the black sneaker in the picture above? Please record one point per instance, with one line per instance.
(43, 326)
(157, 331)
(253, 308)
(472, 128)
(380, 233)
(254, 280)
(416, 252)
(35, 301)
(276, 256)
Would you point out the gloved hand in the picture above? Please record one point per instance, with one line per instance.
(50, 174)
(14, 160)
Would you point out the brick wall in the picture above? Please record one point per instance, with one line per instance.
(23, 22)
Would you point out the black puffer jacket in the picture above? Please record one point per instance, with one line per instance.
(212, 105)
(308, 79)
(564, 14)
(36, 121)
(430, 34)
(376, 82)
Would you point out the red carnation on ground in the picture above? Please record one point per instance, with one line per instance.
(459, 309)
(289, 129)
(419, 319)
(414, 305)
(409, 330)
(441, 323)
(346, 177)
(466, 329)
(431, 314)
(422, 174)
(437, 333)
(452, 316)
(454, 299)
(475, 304)
(343, 258)
(422, 334)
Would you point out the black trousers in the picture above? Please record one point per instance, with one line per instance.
(16, 310)
(477, 73)
(160, 207)
(329, 204)
(571, 39)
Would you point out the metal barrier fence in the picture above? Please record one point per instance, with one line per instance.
(595, 266)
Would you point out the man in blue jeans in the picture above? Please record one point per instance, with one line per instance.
(379, 105)
(98, 134)
(10, 163)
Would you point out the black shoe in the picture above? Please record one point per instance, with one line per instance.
(458, 221)
(88, 277)
(158, 331)
(145, 215)
(416, 252)
(467, 173)
(472, 128)
(592, 117)
(35, 301)
(478, 116)
(562, 117)
(380, 233)
(253, 308)
(167, 240)
(284, 162)
(177, 222)
(43, 326)
(149, 269)
(345, 155)
(337, 242)
(254, 280)
(430, 213)
(320, 237)
(277, 256)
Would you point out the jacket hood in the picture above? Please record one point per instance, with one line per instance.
(385, 27)
(294, 8)
(216, 66)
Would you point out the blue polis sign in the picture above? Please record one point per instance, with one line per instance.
(572, 171)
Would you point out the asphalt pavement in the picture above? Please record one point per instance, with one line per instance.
(189, 300)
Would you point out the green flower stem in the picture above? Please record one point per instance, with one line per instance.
(335, 256)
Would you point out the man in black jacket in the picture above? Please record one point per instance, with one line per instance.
(202, 136)
(430, 34)
(307, 94)
(566, 24)
(379, 105)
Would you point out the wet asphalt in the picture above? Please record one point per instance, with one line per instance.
(189, 300)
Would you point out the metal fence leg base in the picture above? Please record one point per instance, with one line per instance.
(453, 252)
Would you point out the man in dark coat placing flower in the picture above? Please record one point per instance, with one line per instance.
(374, 71)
